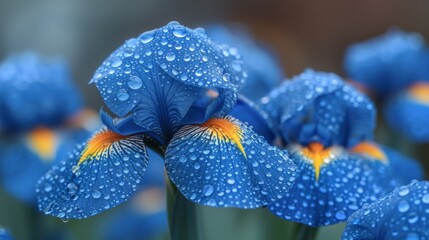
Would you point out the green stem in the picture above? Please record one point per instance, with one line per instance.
(305, 232)
(182, 215)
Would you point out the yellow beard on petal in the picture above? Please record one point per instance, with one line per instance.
(317, 154)
(225, 130)
(98, 143)
(420, 92)
(371, 150)
(43, 142)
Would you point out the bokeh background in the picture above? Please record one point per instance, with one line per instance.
(303, 34)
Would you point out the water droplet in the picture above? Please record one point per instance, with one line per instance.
(208, 190)
(231, 181)
(340, 215)
(122, 95)
(403, 191)
(135, 82)
(146, 37)
(48, 187)
(425, 198)
(117, 63)
(179, 31)
(403, 206)
(170, 56)
(96, 194)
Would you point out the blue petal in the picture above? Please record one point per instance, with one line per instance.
(402, 214)
(224, 163)
(99, 175)
(165, 75)
(21, 166)
(317, 106)
(386, 63)
(35, 91)
(408, 116)
(346, 182)
(250, 113)
(404, 169)
(4, 235)
(263, 67)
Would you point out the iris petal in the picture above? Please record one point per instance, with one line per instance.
(402, 214)
(346, 182)
(224, 163)
(166, 76)
(101, 174)
(408, 113)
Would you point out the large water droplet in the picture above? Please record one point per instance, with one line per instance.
(122, 95)
(208, 190)
(170, 56)
(117, 63)
(135, 82)
(403, 206)
(146, 37)
(425, 198)
(179, 31)
(96, 194)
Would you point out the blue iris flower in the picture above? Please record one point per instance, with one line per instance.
(37, 99)
(401, 214)
(327, 127)
(4, 234)
(263, 67)
(395, 67)
(171, 90)
(145, 216)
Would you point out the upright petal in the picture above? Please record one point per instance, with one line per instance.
(401, 214)
(387, 63)
(408, 112)
(224, 163)
(100, 174)
(167, 77)
(332, 185)
(318, 106)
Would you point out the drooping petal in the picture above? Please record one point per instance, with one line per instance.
(331, 186)
(35, 91)
(408, 112)
(166, 75)
(402, 214)
(387, 63)
(263, 67)
(224, 163)
(318, 106)
(23, 160)
(402, 169)
(100, 174)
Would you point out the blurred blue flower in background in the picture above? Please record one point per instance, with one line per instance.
(171, 89)
(5, 235)
(37, 100)
(395, 68)
(262, 65)
(145, 216)
(402, 214)
(327, 126)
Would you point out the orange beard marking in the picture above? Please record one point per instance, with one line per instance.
(98, 143)
(317, 153)
(420, 92)
(225, 130)
(43, 142)
(371, 150)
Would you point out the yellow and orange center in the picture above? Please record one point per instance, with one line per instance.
(225, 130)
(43, 142)
(317, 153)
(98, 143)
(420, 92)
(371, 150)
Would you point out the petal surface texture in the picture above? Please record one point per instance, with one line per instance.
(223, 163)
(100, 174)
(401, 214)
(169, 77)
(331, 186)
